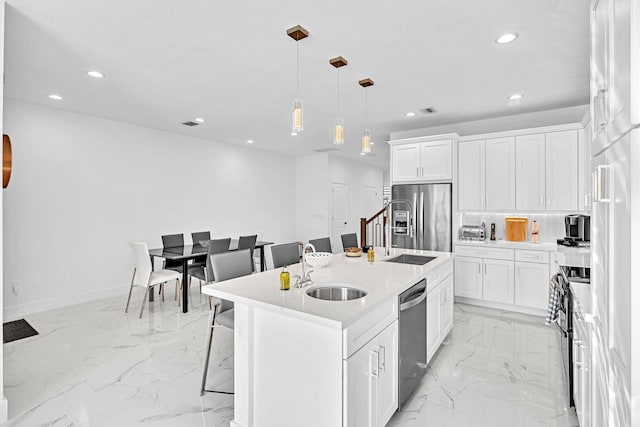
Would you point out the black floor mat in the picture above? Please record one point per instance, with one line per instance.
(17, 330)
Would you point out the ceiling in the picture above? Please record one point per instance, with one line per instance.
(231, 63)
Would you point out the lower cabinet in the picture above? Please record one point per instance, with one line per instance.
(532, 284)
(497, 281)
(371, 381)
(439, 314)
(514, 277)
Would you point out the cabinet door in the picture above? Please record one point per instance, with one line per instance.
(387, 381)
(433, 322)
(471, 183)
(360, 388)
(468, 277)
(562, 171)
(532, 284)
(500, 173)
(599, 73)
(435, 160)
(530, 172)
(446, 307)
(497, 281)
(405, 163)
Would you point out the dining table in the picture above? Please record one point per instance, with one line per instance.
(186, 253)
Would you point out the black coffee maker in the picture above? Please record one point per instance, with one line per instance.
(577, 229)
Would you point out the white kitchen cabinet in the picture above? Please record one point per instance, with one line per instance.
(486, 171)
(405, 166)
(561, 166)
(500, 174)
(532, 284)
(446, 306)
(468, 277)
(497, 281)
(371, 381)
(433, 322)
(471, 176)
(422, 160)
(530, 172)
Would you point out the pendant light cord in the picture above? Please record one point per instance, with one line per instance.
(338, 92)
(297, 69)
(366, 109)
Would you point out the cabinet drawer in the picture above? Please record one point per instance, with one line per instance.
(362, 330)
(439, 274)
(541, 257)
(474, 251)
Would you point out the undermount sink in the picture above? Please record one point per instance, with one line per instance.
(411, 259)
(336, 293)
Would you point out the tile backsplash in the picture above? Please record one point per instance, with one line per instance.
(551, 226)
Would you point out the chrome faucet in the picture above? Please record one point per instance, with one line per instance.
(306, 277)
(410, 225)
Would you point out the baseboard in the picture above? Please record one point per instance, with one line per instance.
(4, 410)
(502, 306)
(19, 311)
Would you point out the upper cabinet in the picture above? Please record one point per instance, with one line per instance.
(615, 64)
(486, 171)
(422, 159)
(547, 171)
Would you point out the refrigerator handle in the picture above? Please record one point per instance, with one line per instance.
(421, 230)
(412, 228)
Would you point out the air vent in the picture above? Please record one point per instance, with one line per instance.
(428, 110)
(190, 123)
(325, 150)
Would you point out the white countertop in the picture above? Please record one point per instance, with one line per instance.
(383, 281)
(582, 295)
(542, 246)
(573, 256)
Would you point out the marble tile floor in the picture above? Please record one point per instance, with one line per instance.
(495, 369)
(93, 365)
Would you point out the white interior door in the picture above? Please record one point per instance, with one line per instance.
(339, 222)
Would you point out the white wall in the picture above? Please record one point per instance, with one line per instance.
(83, 187)
(312, 197)
(356, 176)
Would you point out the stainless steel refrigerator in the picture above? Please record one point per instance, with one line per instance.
(431, 213)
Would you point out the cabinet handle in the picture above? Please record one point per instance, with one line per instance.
(485, 269)
(382, 366)
(486, 201)
(478, 268)
(417, 172)
(579, 365)
(422, 171)
(541, 200)
(374, 366)
(548, 200)
(600, 184)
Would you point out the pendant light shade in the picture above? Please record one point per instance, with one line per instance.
(338, 124)
(297, 33)
(366, 141)
(366, 135)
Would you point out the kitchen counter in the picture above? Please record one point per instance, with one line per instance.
(382, 281)
(542, 246)
(291, 349)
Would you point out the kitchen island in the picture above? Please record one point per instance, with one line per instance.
(304, 361)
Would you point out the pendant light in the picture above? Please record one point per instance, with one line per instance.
(366, 135)
(338, 124)
(297, 33)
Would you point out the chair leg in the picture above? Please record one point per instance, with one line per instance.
(126, 309)
(162, 291)
(212, 319)
(146, 294)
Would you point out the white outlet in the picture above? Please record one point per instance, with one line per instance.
(16, 287)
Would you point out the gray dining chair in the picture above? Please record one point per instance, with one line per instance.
(350, 241)
(143, 274)
(285, 254)
(322, 245)
(225, 266)
(204, 272)
(196, 238)
(172, 241)
(248, 242)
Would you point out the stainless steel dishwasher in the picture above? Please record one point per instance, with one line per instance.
(412, 345)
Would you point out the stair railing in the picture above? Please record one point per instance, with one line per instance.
(372, 229)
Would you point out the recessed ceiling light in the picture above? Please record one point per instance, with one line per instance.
(515, 96)
(199, 120)
(507, 38)
(294, 133)
(56, 97)
(249, 141)
(96, 74)
(410, 114)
